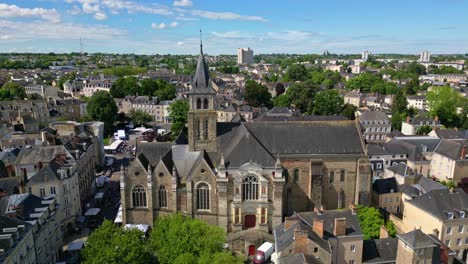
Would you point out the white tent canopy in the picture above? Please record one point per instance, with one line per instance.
(141, 227)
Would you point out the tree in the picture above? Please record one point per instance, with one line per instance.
(140, 118)
(328, 102)
(112, 244)
(412, 86)
(349, 111)
(181, 239)
(12, 91)
(301, 95)
(399, 103)
(101, 107)
(178, 112)
(166, 92)
(282, 101)
(365, 82)
(371, 220)
(423, 130)
(443, 102)
(256, 94)
(124, 86)
(296, 72)
(445, 70)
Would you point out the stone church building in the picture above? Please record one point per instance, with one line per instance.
(245, 177)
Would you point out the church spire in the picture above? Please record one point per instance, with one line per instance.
(201, 42)
(201, 80)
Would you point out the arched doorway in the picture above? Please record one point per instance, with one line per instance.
(250, 221)
(251, 250)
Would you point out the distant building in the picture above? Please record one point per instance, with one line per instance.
(354, 97)
(365, 55)
(375, 126)
(411, 125)
(450, 160)
(16, 241)
(418, 101)
(244, 56)
(425, 56)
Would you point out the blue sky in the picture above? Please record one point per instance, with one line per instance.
(267, 26)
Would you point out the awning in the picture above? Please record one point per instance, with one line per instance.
(92, 211)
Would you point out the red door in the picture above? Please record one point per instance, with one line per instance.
(251, 250)
(249, 221)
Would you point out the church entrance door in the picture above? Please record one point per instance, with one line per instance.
(251, 250)
(249, 221)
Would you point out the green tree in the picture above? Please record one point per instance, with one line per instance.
(112, 244)
(349, 111)
(123, 71)
(124, 86)
(399, 103)
(296, 72)
(302, 95)
(256, 94)
(365, 82)
(279, 88)
(12, 91)
(180, 239)
(140, 118)
(371, 220)
(328, 102)
(178, 111)
(282, 101)
(412, 86)
(445, 70)
(443, 102)
(101, 107)
(166, 92)
(423, 130)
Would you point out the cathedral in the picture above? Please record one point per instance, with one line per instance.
(245, 177)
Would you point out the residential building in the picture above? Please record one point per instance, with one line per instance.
(337, 68)
(159, 110)
(452, 134)
(442, 213)
(354, 97)
(16, 241)
(66, 108)
(230, 112)
(411, 125)
(402, 173)
(24, 115)
(356, 69)
(417, 101)
(450, 160)
(425, 56)
(92, 86)
(365, 55)
(386, 195)
(332, 236)
(244, 176)
(245, 56)
(375, 126)
(41, 214)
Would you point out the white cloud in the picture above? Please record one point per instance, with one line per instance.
(57, 31)
(164, 25)
(225, 16)
(133, 7)
(100, 16)
(74, 11)
(11, 11)
(90, 8)
(228, 34)
(183, 3)
(180, 43)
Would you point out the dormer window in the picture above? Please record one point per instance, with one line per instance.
(462, 214)
(450, 215)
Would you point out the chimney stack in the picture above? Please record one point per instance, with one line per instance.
(288, 222)
(44, 138)
(463, 153)
(300, 241)
(383, 232)
(317, 226)
(340, 227)
(353, 209)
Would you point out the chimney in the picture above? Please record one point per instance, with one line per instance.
(340, 227)
(463, 153)
(317, 226)
(288, 222)
(300, 241)
(383, 232)
(44, 138)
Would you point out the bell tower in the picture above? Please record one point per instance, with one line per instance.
(202, 115)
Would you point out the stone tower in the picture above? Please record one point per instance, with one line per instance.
(202, 115)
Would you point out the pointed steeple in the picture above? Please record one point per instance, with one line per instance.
(201, 80)
(222, 164)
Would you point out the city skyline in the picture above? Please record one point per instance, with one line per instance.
(168, 26)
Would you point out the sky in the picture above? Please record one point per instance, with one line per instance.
(266, 26)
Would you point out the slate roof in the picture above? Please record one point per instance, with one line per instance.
(449, 134)
(201, 81)
(353, 227)
(283, 118)
(401, 169)
(450, 149)
(382, 186)
(380, 250)
(373, 116)
(294, 259)
(417, 239)
(39, 153)
(410, 190)
(439, 202)
(417, 121)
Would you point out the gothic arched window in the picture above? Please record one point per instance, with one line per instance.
(205, 132)
(203, 196)
(139, 196)
(162, 196)
(198, 103)
(198, 132)
(205, 104)
(250, 188)
(296, 175)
